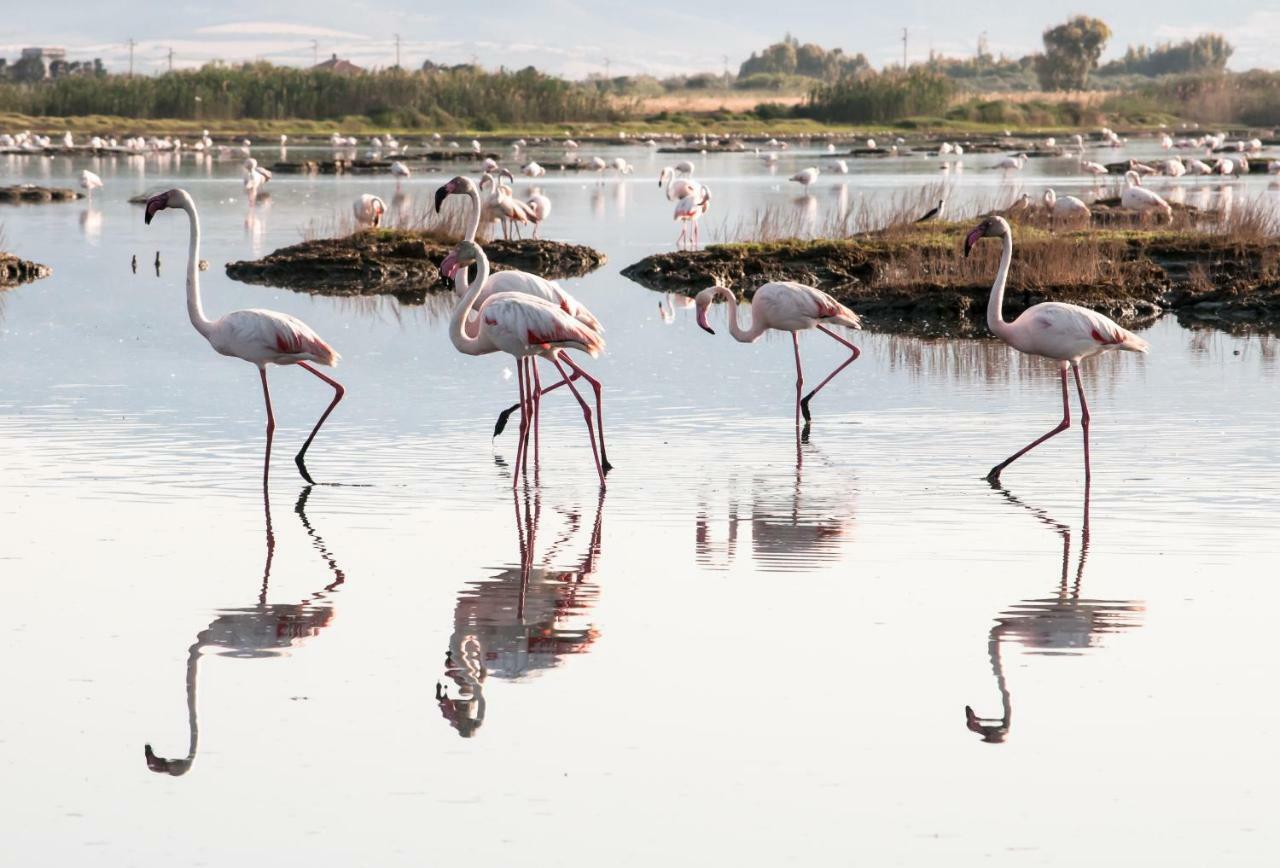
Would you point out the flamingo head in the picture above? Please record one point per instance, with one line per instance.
(703, 304)
(460, 184)
(171, 199)
(462, 256)
(992, 227)
(665, 175)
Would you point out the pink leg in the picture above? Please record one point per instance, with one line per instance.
(795, 343)
(586, 414)
(338, 392)
(524, 425)
(271, 426)
(535, 394)
(597, 388)
(854, 352)
(1084, 423)
(994, 475)
(501, 424)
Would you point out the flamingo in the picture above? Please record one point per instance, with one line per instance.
(89, 181)
(805, 177)
(676, 188)
(526, 327)
(1012, 163)
(539, 208)
(260, 337)
(1065, 333)
(521, 283)
(533, 170)
(1135, 197)
(684, 167)
(254, 177)
(1093, 168)
(688, 211)
(622, 167)
(839, 167)
(789, 307)
(368, 210)
(400, 171)
(1065, 208)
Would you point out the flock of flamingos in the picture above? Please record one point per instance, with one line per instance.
(531, 318)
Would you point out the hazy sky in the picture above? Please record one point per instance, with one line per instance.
(573, 37)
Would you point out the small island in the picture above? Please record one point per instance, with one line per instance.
(915, 280)
(403, 263)
(35, 194)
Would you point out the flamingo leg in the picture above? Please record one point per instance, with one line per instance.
(1084, 422)
(338, 392)
(271, 426)
(586, 413)
(994, 475)
(854, 352)
(598, 389)
(795, 343)
(535, 393)
(524, 425)
(501, 424)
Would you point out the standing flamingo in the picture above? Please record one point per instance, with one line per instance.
(1066, 333)
(688, 211)
(260, 337)
(788, 307)
(512, 281)
(525, 327)
(90, 181)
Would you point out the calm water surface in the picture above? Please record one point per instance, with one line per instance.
(740, 653)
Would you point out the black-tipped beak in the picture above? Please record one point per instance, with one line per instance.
(971, 239)
(154, 204)
(442, 193)
(708, 329)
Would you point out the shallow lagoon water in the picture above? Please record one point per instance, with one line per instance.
(740, 652)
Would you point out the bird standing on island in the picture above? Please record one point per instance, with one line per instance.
(1065, 333)
(260, 337)
(933, 213)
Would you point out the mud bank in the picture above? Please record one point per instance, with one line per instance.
(920, 283)
(14, 271)
(36, 194)
(401, 263)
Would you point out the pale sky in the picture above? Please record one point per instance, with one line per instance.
(573, 38)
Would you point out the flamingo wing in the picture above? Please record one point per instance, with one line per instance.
(261, 336)
(524, 325)
(1065, 331)
(797, 305)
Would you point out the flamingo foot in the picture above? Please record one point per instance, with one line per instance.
(501, 424)
(302, 468)
(804, 408)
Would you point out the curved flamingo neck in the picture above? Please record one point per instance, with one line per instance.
(194, 309)
(463, 342)
(746, 336)
(995, 305)
(473, 224)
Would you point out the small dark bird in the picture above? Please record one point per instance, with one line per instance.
(157, 263)
(934, 214)
(134, 263)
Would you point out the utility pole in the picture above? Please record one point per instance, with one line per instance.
(315, 52)
(171, 59)
(397, 51)
(131, 43)
(904, 49)
(725, 58)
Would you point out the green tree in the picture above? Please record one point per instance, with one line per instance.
(1071, 52)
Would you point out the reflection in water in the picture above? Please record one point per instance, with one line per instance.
(794, 528)
(522, 620)
(255, 223)
(263, 630)
(91, 224)
(1064, 623)
(668, 304)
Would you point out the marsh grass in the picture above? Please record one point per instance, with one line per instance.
(447, 227)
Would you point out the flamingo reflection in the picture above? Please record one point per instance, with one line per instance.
(1063, 623)
(796, 529)
(523, 620)
(263, 630)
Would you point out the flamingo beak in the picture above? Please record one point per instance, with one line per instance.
(702, 321)
(442, 193)
(972, 238)
(154, 204)
(450, 265)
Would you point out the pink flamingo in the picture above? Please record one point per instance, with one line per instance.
(525, 327)
(689, 211)
(1065, 333)
(788, 307)
(261, 337)
(526, 284)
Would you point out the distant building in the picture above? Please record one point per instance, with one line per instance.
(339, 65)
(36, 62)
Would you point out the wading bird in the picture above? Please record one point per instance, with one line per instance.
(1065, 333)
(368, 210)
(933, 213)
(260, 337)
(1136, 197)
(805, 177)
(1065, 208)
(788, 307)
(89, 181)
(522, 283)
(526, 327)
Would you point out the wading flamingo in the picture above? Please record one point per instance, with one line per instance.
(475, 342)
(688, 211)
(1136, 197)
(89, 181)
(1066, 333)
(525, 327)
(788, 307)
(805, 177)
(260, 337)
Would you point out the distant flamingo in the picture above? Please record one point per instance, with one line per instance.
(89, 181)
(400, 171)
(1065, 208)
(688, 211)
(1136, 197)
(788, 307)
(805, 177)
(474, 342)
(1065, 333)
(368, 210)
(525, 327)
(260, 337)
